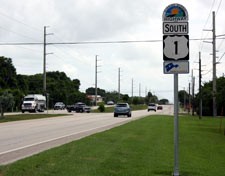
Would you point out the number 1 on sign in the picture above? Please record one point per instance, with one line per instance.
(176, 47)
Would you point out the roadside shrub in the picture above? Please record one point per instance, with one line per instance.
(101, 107)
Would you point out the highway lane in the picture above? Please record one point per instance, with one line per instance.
(25, 138)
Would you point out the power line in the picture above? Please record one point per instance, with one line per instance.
(13, 19)
(92, 42)
(210, 12)
(218, 7)
(18, 33)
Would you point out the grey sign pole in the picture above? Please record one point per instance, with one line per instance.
(176, 127)
(175, 56)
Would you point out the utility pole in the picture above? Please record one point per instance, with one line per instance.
(132, 88)
(44, 63)
(44, 67)
(189, 97)
(96, 79)
(200, 86)
(214, 65)
(184, 100)
(193, 93)
(44, 60)
(119, 83)
(139, 90)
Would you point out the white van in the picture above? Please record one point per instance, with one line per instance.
(152, 107)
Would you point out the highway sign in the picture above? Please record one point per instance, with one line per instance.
(171, 67)
(175, 13)
(175, 47)
(175, 28)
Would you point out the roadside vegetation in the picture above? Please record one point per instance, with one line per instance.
(143, 147)
(10, 118)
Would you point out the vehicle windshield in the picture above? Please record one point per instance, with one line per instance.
(28, 99)
(121, 105)
(151, 105)
(59, 103)
(80, 104)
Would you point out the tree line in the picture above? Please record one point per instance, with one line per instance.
(60, 88)
(207, 98)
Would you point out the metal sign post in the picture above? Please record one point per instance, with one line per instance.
(176, 127)
(175, 56)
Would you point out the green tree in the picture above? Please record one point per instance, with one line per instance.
(154, 99)
(135, 100)
(59, 87)
(125, 98)
(91, 91)
(163, 101)
(22, 83)
(6, 101)
(150, 98)
(111, 96)
(35, 84)
(7, 73)
(207, 98)
(183, 97)
(220, 97)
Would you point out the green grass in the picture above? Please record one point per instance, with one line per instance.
(138, 107)
(10, 118)
(139, 148)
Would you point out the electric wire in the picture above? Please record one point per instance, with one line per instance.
(92, 42)
(13, 19)
(218, 7)
(203, 38)
(24, 36)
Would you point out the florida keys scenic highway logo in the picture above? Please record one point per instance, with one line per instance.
(175, 13)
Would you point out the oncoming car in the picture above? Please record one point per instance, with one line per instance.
(59, 105)
(152, 107)
(122, 109)
(159, 107)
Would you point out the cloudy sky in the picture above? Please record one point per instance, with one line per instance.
(105, 21)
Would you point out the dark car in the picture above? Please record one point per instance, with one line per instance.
(59, 106)
(122, 109)
(159, 107)
(78, 107)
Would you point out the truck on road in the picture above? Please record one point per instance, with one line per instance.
(34, 103)
(78, 107)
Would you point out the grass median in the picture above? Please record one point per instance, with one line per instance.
(17, 117)
(139, 148)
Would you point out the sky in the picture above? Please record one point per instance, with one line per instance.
(109, 21)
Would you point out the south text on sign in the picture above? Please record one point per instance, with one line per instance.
(175, 28)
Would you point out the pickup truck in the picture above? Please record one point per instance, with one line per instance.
(78, 107)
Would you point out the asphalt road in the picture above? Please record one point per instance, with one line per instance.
(24, 138)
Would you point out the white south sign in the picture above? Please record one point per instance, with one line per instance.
(175, 47)
(175, 28)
